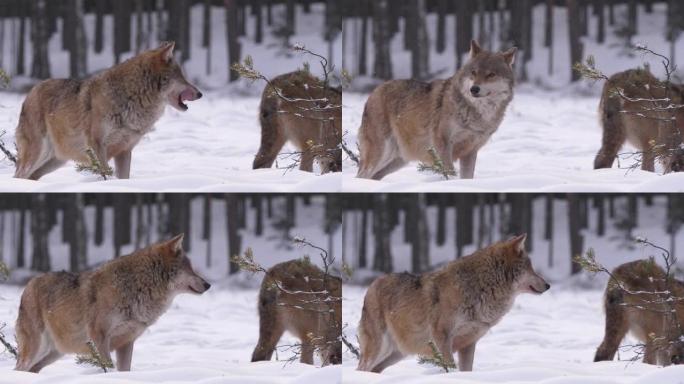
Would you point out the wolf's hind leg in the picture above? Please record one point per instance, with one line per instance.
(124, 355)
(306, 161)
(396, 164)
(270, 329)
(50, 358)
(46, 168)
(617, 326)
(613, 134)
(307, 351)
(392, 359)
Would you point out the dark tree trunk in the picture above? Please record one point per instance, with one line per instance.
(363, 242)
(40, 37)
(576, 46)
(420, 247)
(78, 238)
(40, 260)
(382, 259)
(576, 238)
(234, 238)
(382, 66)
(234, 46)
(99, 24)
(441, 25)
(77, 47)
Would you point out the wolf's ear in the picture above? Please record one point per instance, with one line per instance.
(166, 51)
(509, 55)
(518, 242)
(177, 242)
(474, 48)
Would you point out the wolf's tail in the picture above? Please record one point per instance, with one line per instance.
(613, 132)
(616, 324)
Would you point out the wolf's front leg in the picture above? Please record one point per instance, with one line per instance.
(445, 153)
(441, 336)
(465, 358)
(122, 162)
(467, 165)
(98, 333)
(124, 355)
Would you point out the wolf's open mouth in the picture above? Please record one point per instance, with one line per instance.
(181, 104)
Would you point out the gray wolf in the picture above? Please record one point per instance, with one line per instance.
(403, 119)
(308, 114)
(631, 120)
(111, 305)
(298, 307)
(452, 307)
(637, 310)
(109, 112)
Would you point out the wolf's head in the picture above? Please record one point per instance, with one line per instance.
(488, 74)
(183, 278)
(526, 280)
(171, 81)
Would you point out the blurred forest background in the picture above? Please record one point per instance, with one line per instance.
(382, 36)
(129, 26)
(42, 232)
(415, 232)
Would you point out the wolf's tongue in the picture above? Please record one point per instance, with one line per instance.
(187, 94)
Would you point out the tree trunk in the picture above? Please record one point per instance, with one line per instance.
(39, 37)
(382, 259)
(576, 46)
(40, 260)
(79, 236)
(234, 46)
(78, 48)
(234, 238)
(576, 238)
(382, 66)
(420, 247)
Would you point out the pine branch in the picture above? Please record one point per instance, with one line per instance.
(8, 346)
(437, 359)
(351, 347)
(95, 166)
(352, 156)
(8, 154)
(4, 79)
(437, 166)
(94, 359)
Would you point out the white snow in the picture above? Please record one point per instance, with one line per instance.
(204, 339)
(549, 338)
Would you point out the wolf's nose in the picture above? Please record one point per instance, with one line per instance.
(474, 90)
(207, 285)
(547, 286)
(199, 94)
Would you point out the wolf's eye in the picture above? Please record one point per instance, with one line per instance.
(491, 75)
(473, 72)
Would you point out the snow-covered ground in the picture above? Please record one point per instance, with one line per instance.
(549, 338)
(201, 339)
(546, 142)
(210, 147)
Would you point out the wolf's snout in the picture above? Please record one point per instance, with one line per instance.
(475, 90)
(207, 286)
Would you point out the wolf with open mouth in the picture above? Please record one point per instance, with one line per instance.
(109, 113)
